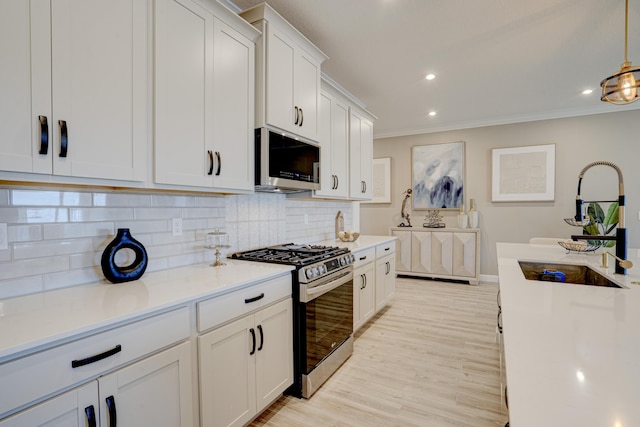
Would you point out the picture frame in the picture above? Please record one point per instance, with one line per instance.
(437, 176)
(381, 180)
(523, 174)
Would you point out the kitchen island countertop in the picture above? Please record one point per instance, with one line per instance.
(572, 351)
(30, 322)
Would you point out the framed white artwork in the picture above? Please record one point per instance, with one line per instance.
(523, 174)
(381, 177)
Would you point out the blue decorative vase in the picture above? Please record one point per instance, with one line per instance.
(117, 274)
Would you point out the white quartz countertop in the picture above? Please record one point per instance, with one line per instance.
(572, 351)
(30, 322)
(363, 242)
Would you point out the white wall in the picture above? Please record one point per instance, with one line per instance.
(579, 141)
(56, 237)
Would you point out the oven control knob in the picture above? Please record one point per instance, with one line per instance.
(316, 271)
(323, 269)
(343, 261)
(353, 258)
(309, 273)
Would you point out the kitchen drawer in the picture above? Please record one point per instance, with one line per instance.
(219, 310)
(386, 249)
(42, 374)
(364, 257)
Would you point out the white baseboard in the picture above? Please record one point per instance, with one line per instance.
(491, 278)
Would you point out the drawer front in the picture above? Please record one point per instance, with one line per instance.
(33, 377)
(219, 310)
(364, 257)
(386, 249)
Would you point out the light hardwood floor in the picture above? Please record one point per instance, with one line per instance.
(429, 359)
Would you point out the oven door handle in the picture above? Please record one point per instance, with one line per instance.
(310, 294)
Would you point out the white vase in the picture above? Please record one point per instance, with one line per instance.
(473, 219)
(462, 220)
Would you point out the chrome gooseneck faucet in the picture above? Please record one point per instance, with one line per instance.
(621, 232)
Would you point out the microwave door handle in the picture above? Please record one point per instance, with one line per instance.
(311, 293)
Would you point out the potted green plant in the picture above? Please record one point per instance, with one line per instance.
(601, 224)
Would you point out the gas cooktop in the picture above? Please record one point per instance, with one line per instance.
(291, 254)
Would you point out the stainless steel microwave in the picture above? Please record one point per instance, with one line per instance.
(285, 162)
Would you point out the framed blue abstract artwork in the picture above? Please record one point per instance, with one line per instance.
(438, 176)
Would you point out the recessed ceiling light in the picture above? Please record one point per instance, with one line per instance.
(432, 113)
(587, 91)
(430, 76)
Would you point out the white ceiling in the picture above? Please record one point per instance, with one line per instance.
(496, 61)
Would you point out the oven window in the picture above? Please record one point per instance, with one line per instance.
(329, 321)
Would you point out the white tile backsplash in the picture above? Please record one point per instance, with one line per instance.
(56, 238)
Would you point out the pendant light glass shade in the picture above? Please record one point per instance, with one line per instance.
(624, 86)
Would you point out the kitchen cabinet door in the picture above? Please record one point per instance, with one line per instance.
(274, 357)
(307, 93)
(25, 70)
(280, 99)
(334, 142)
(233, 109)
(183, 93)
(156, 391)
(385, 280)
(360, 156)
(99, 83)
(363, 295)
(74, 81)
(78, 407)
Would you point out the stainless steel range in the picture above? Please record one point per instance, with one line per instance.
(323, 309)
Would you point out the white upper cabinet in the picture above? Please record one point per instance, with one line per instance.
(287, 74)
(204, 91)
(334, 142)
(360, 155)
(74, 81)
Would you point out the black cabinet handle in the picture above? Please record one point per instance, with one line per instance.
(261, 337)
(64, 141)
(364, 183)
(301, 117)
(362, 258)
(91, 359)
(254, 299)
(113, 415)
(44, 135)
(387, 249)
(90, 412)
(210, 162)
(337, 182)
(219, 158)
(388, 268)
(253, 340)
(333, 182)
(297, 115)
(365, 280)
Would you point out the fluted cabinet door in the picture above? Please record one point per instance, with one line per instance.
(441, 253)
(421, 259)
(464, 254)
(403, 250)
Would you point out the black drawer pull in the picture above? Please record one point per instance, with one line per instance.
(64, 140)
(90, 412)
(113, 415)
(387, 249)
(362, 258)
(254, 299)
(97, 357)
(44, 135)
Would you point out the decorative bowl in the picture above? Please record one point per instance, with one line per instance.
(348, 236)
(580, 246)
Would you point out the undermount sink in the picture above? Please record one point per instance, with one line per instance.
(576, 274)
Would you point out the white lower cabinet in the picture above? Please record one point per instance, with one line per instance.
(364, 286)
(441, 254)
(245, 365)
(385, 280)
(155, 390)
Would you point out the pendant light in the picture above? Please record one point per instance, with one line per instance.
(624, 86)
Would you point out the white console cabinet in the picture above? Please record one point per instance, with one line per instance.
(445, 254)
